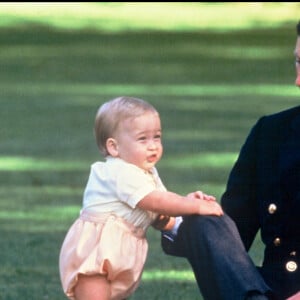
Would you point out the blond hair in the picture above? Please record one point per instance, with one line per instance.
(111, 113)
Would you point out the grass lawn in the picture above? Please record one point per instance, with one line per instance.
(209, 84)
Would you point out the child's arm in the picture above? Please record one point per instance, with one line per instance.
(172, 204)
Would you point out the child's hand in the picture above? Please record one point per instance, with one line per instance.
(163, 222)
(203, 196)
(210, 208)
(207, 204)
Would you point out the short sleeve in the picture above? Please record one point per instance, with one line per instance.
(133, 184)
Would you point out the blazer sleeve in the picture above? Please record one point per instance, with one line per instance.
(239, 200)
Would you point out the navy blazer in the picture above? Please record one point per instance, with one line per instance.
(263, 190)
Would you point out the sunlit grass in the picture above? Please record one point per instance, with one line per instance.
(178, 275)
(154, 89)
(18, 164)
(149, 15)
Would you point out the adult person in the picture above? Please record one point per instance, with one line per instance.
(262, 193)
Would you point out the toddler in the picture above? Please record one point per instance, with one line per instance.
(104, 251)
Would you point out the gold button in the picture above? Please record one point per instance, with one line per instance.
(272, 208)
(291, 266)
(277, 242)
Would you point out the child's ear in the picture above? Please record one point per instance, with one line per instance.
(112, 147)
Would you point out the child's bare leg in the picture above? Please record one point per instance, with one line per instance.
(93, 287)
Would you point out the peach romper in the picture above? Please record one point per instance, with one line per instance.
(108, 238)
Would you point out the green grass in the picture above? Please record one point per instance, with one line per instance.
(210, 86)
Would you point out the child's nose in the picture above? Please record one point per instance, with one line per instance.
(152, 144)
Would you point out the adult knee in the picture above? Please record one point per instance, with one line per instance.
(198, 229)
(199, 225)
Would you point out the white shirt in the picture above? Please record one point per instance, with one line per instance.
(116, 186)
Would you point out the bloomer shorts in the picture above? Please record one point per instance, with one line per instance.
(105, 245)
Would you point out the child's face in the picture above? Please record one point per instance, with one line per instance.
(139, 140)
